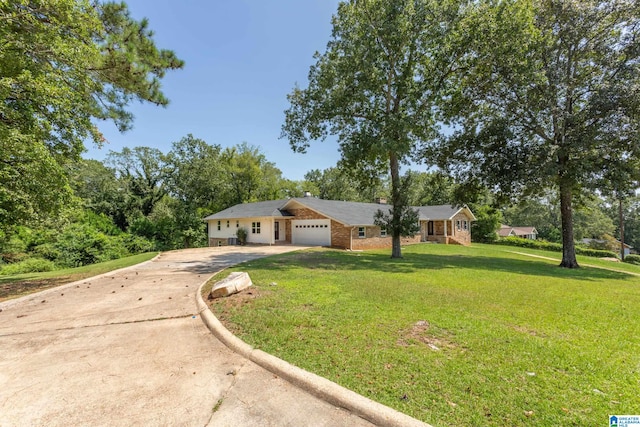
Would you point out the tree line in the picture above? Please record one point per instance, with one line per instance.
(142, 199)
(515, 100)
(519, 96)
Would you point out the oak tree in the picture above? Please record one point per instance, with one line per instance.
(377, 86)
(554, 93)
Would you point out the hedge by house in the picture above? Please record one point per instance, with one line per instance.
(632, 259)
(555, 247)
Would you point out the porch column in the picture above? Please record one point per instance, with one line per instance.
(272, 239)
(445, 230)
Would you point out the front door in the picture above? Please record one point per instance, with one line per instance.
(430, 228)
(277, 230)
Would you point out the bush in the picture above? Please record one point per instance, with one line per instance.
(80, 244)
(555, 247)
(136, 244)
(632, 259)
(242, 234)
(31, 265)
(597, 253)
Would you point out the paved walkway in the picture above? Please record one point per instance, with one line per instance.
(130, 349)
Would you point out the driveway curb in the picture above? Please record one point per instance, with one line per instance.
(320, 387)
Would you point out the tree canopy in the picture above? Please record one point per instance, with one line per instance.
(377, 86)
(552, 101)
(65, 65)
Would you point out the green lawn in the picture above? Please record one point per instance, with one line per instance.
(453, 335)
(23, 284)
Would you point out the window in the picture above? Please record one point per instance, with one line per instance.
(227, 223)
(458, 225)
(465, 225)
(255, 227)
(361, 232)
(237, 224)
(383, 232)
(218, 225)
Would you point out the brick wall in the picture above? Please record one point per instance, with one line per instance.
(287, 231)
(340, 235)
(304, 213)
(461, 235)
(373, 240)
(215, 241)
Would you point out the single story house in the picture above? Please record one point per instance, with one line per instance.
(347, 225)
(523, 232)
(596, 242)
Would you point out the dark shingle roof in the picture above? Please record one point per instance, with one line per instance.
(348, 213)
(438, 212)
(270, 208)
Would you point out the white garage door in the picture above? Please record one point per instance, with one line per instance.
(313, 232)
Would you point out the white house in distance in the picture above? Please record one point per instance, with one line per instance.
(348, 225)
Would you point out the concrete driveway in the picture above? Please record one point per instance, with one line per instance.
(129, 349)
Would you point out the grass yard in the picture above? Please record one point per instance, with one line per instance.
(27, 283)
(452, 335)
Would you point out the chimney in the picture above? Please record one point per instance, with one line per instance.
(307, 194)
(381, 200)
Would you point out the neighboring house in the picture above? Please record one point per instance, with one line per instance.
(523, 232)
(599, 242)
(347, 225)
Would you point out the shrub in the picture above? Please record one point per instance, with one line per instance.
(136, 244)
(31, 265)
(595, 253)
(555, 247)
(80, 244)
(632, 259)
(242, 234)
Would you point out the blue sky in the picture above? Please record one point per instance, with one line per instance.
(242, 58)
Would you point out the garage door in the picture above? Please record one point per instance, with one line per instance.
(313, 232)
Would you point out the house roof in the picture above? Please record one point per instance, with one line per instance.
(442, 212)
(348, 213)
(525, 230)
(507, 230)
(270, 208)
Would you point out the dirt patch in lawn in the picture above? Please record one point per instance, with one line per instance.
(422, 332)
(224, 308)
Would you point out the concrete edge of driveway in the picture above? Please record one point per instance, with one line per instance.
(11, 302)
(320, 387)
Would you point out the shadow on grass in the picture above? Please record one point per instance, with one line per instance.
(412, 263)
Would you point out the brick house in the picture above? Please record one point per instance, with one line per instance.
(347, 225)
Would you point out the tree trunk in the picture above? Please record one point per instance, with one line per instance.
(396, 249)
(621, 231)
(566, 214)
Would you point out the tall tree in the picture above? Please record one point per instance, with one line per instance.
(195, 178)
(142, 173)
(249, 176)
(64, 65)
(378, 84)
(430, 188)
(555, 89)
(100, 190)
(195, 173)
(336, 184)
